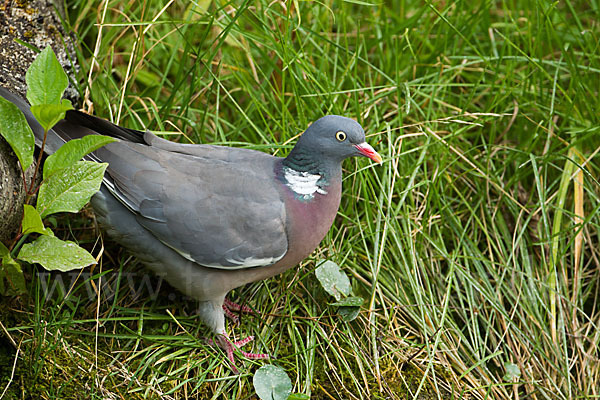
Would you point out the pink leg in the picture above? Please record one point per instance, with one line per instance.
(231, 315)
(229, 306)
(237, 307)
(224, 343)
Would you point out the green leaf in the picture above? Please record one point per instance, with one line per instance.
(349, 308)
(55, 254)
(349, 302)
(15, 129)
(69, 189)
(3, 250)
(299, 396)
(272, 383)
(73, 151)
(49, 114)
(32, 222)
(512, 372)
(334, 281)
(46, 80)
(349, 313)
(11, 272)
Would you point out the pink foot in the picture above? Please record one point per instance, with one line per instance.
(229, 306)
(224, 343)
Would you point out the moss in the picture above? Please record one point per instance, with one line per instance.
(46, 368)
(401, 383)
(7, 358)
(405, 383)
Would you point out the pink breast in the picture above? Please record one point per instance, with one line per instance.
(309, 221)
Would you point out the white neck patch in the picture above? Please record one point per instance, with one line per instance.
(304, 184)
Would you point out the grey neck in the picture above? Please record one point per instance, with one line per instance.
(302, 161)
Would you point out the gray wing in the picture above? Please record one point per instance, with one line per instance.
(223, 212)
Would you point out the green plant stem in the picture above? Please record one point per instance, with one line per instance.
(30, 190)
(19, 240)
(555, 263)
(16, 238)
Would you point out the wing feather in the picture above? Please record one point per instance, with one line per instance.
(221, 213)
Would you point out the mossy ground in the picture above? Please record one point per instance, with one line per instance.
(60, 360)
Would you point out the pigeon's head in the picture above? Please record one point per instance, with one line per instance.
(337, 138)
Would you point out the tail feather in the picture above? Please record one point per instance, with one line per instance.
(75, 125)
(103, 127)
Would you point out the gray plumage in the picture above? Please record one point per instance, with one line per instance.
(232, 217)
(209, 218)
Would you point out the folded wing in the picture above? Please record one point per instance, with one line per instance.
(218, 209)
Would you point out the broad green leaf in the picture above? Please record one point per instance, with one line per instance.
(349, 302)
(3, 250)
(12, 281)
(349, 307)
(46, 80)
(55, 254)
(299, 396)
(69, 189)
(15, 129)
(72, 151)
(272, 383)
(49, 114)
(32, 222)
(334, 281)
(349, 313)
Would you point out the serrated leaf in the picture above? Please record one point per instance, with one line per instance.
(349, 313)
(49, 114)
(73, 151)
(32, 222)
(55, 254)
(15, 129)
(334, 281)
(46, 80)
(272, 383)
(12, 281)
(69, 189)
(349, 302)
(3, 250)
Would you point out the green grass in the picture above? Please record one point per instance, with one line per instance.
(475, 244)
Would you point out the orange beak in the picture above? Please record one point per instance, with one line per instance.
(366, 150)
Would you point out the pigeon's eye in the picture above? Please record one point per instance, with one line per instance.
(340, 136)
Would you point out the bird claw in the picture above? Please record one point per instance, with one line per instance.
(227, 345)
(231, 315)
(237, 307)
(224, 343)
(229, 306)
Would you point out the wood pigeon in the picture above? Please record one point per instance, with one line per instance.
(212, 218)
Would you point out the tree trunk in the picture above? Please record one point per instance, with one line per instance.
(34, 22)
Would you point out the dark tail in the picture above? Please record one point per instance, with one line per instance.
(103, 127)
(75, 125)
